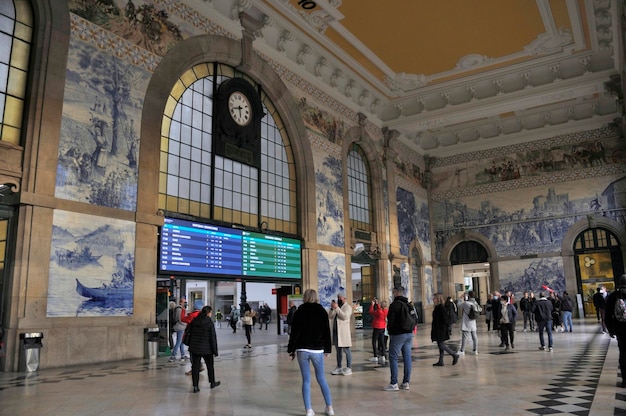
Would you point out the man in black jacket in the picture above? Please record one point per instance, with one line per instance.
(599, 302)
(543, 316)
(401, 320)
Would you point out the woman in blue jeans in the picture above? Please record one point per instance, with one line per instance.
(310, 341)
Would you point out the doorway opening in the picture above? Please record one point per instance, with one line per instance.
(598, 262)
(364, 284)
(471, 270)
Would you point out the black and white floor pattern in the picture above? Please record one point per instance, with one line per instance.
(574, 387)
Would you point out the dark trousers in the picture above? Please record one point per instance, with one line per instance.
(378, 342)
(196, 363)
(621, 344)
(506, 331)
(444, 347)
(547, 325)
(248, 328)
(528, 318)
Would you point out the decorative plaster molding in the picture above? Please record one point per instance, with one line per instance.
(405, 82)
(548, 43)
(285, 37)
(472, 61)
(321, 63)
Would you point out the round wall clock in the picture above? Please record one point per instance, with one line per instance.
(239, 108)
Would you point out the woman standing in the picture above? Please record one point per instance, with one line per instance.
(203, 345)
(379, 323)
(440, 331)
(248, 321)
(310, 341)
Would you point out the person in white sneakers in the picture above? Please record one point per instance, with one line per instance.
(339, 315)
(467, 303)
(310, 343)
(379, 323)
(401, 321)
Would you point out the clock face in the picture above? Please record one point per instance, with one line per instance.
(239, 108)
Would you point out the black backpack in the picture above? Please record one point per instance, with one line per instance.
(472, 313)
(408, 320)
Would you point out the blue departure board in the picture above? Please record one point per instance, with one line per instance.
(207, 249)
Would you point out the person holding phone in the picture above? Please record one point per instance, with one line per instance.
(379, 313)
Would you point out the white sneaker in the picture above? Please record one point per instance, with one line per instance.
(337, 371)
(373, 360)
(330, 411)
(391, 387)
(310, 412)
(460, 352)
(404, 386)
(347, 371)
(475, 352)
(381, 360)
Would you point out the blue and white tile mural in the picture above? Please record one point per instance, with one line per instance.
(331, 275)
(534, 275)
(413, 222)
(565, 153)
(429, 285)
(530, 220)
(92, 266)
(99, 144)
(329, 197)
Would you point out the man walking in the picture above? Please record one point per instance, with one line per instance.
(401, 320)
(617, 324)
(468, 321)
(525, 307)
(543, 316)
(599, 302)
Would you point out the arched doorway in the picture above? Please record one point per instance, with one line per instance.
(470, 265)
(598, 262)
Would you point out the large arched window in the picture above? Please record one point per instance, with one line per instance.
(196, 181)
(16, 30)
(359, 193)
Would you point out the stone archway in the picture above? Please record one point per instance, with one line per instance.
(447, 277)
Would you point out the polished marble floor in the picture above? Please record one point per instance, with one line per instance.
(579, 377)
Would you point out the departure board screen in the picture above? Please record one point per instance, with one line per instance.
(201, 248)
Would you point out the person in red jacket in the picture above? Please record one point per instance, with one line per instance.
(197, 307)
(379, 323)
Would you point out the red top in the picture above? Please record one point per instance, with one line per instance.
(380, 317)
(188, 318)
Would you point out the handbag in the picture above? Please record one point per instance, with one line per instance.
(246, 320)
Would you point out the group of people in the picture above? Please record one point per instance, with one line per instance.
(249, 319)
(313, 331)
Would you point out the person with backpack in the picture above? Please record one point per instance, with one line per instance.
(470, 309)
(401, 320)
(179, 326)
(615, 319)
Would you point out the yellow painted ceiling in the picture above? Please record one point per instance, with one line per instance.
(430, 36)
